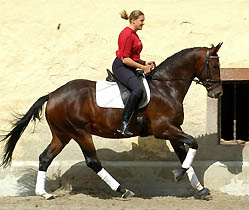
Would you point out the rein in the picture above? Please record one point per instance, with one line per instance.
(167, 79)
(151, 74)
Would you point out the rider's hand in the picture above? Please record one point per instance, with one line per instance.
(147, 68)
(152, 63)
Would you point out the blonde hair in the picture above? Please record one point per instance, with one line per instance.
(134, 15)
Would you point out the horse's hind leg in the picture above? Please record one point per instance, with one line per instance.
(92, 161)
(53, 149)
(181, 153)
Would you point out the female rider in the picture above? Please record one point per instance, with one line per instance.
(127, 61)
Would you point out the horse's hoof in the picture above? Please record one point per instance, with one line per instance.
(47, 196)
(178, 174)
(204, 194)
(127, 194)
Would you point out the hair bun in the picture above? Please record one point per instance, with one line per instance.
(124, 15)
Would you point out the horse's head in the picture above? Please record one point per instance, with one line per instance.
(209, 72)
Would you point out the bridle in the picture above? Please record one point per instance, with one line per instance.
(206, 83)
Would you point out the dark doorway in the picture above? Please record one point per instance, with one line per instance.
(234, 111)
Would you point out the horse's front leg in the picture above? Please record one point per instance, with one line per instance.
(181, 153)
(176, 134)
(189, 157)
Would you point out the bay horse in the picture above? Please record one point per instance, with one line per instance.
(71, 113)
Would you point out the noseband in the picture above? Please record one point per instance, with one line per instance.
(206, 83)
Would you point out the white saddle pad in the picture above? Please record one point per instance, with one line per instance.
(108, 95)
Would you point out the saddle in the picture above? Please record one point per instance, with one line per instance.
(124, 91)
(111, 93)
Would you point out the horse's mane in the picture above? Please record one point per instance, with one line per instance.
(171, 60)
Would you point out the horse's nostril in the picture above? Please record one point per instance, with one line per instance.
(220, 93)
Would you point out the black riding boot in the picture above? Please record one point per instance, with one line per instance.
(129, 108)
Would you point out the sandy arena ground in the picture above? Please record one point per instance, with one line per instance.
(68, 201)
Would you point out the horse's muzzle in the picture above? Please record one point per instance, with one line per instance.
(215, 92)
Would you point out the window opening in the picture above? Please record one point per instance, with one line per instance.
(234, 112)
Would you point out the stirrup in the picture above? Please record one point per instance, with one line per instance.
(123, 129)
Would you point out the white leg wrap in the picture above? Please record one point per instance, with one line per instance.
(40, 183)
(193, 179)
(189, 158)
(104, 175)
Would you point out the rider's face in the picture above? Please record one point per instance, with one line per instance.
(138, 23)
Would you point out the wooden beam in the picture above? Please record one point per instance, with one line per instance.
(234, 74)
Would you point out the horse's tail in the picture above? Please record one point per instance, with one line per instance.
(18, 128)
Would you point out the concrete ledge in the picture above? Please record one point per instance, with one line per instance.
(145, 178)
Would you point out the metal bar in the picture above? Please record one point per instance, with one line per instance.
(235, 112)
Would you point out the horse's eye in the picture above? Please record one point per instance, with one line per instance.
(216, 66)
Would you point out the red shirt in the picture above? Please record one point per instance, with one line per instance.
(129, 45)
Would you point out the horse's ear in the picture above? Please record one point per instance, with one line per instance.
(214, 50)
